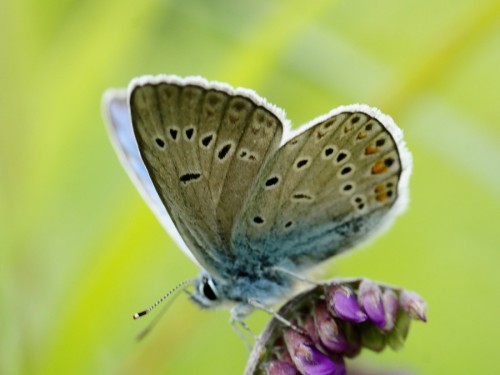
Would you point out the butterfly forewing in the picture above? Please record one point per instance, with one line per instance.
(323, 191)
(158, 133)
(119, 126)
(203, 148)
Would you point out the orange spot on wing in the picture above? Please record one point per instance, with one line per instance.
(381, 197)
(379, 167)
(379, 188)
(370, 149)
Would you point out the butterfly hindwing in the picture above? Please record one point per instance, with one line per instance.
(325, 189)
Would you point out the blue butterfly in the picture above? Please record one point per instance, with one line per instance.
(251, 202)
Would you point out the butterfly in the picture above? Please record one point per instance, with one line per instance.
(251, 202)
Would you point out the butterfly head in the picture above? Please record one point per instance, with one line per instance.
(206, 293)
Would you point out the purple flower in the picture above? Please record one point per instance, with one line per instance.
(336, 320)
(342, 302)
(309, 359)
(370, 297)
(329, 331)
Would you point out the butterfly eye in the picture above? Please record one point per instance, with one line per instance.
(208, 289)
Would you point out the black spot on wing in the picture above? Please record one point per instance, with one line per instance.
(205, 141)
(341, 156)
(272, 181)
(258, 220)
(188, 177)
(160, 142)
(173, 134)
(302, 197)
(224, 151)
(328, 151)
(189, 133)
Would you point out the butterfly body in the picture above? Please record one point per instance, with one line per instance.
(249, 284)
(249, 201)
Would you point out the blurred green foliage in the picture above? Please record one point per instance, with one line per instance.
(80, 252)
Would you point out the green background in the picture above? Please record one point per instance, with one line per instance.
(80, 251)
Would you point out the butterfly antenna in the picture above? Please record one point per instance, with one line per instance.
(156, 319)
(182, 285)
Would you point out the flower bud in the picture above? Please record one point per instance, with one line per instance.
(370, 298)
(413, 305)
(308, 359)
(329, 331)
(342, 302)
(309, 326)
(391, 308)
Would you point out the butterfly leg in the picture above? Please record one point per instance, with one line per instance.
(277, 316)
(237, 313)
